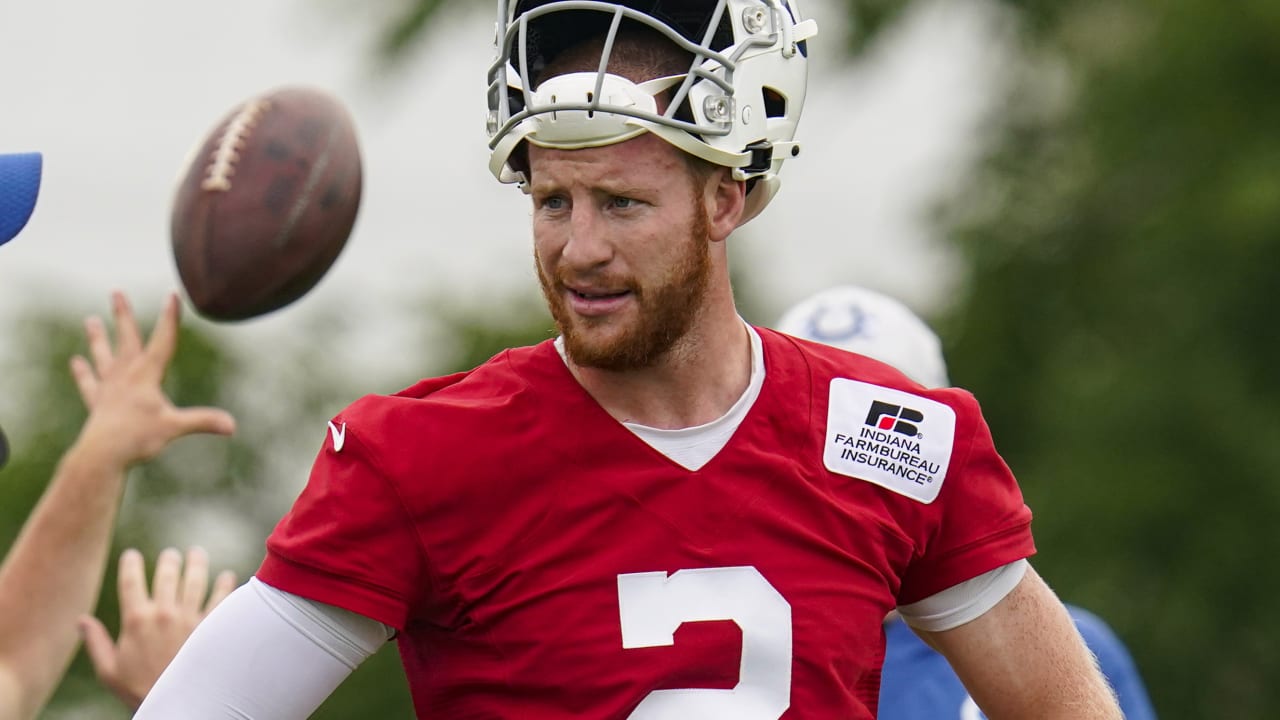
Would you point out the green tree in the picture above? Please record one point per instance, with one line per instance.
(1122, 257)
(236, 482)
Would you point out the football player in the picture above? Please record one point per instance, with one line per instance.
(664, 512)
(917, 683)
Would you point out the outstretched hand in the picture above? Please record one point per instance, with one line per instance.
(130, 418)
(152, 627)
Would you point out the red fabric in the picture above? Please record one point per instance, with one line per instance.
(488, 516)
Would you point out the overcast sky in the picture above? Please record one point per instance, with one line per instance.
(116, 94)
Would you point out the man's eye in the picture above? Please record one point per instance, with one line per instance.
(553, 202)
(622, 203)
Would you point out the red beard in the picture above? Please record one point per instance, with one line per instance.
(667, 308)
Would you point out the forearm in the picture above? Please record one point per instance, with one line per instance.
(262, 654)
(53, 574)
(1025, 658)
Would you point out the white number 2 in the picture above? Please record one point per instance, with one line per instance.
(652, 605)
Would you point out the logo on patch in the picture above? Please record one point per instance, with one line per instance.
(894, 417)
(891, 438)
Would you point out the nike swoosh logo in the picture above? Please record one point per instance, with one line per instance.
(339, 435)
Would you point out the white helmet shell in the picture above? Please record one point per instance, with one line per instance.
(737, 106)
(869, 323)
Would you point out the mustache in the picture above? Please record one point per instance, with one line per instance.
(565, 278)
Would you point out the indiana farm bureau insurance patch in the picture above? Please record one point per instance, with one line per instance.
(899, 441)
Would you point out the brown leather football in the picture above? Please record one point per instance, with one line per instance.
(267, 203)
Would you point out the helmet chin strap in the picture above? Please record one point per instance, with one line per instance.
(759, 196)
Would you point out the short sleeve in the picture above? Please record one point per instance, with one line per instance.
(348, 540)
(983, 522)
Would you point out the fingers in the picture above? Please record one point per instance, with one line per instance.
(222, 587)
(186, 593)
(204, 420)
(177, 583)
(99, 345)
(164, 338)
(164, 586)
(131, 581)
(100, 648)
(195, 580)
(86, 381)
(128, 338)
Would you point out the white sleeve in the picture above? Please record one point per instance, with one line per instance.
(263, 654)
(962, 603)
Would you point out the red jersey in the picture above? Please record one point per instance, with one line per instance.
(541, 561)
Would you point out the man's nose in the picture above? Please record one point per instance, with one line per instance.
(588, 244)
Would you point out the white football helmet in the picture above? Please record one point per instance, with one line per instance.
(868, 323)
(737, 106)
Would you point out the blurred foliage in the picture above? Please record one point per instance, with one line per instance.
(478, 333)
(52, 419)
(1123, 256)
(408, 25)
(230, 481)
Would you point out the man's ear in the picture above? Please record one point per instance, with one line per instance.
(726, 200)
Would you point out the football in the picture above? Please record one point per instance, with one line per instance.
(266, 204)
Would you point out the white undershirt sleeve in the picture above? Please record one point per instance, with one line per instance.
(964, 602)
(263, 654)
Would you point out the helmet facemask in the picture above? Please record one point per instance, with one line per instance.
(735, 105)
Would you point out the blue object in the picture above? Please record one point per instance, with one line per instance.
(19, 187)
(918, 683)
